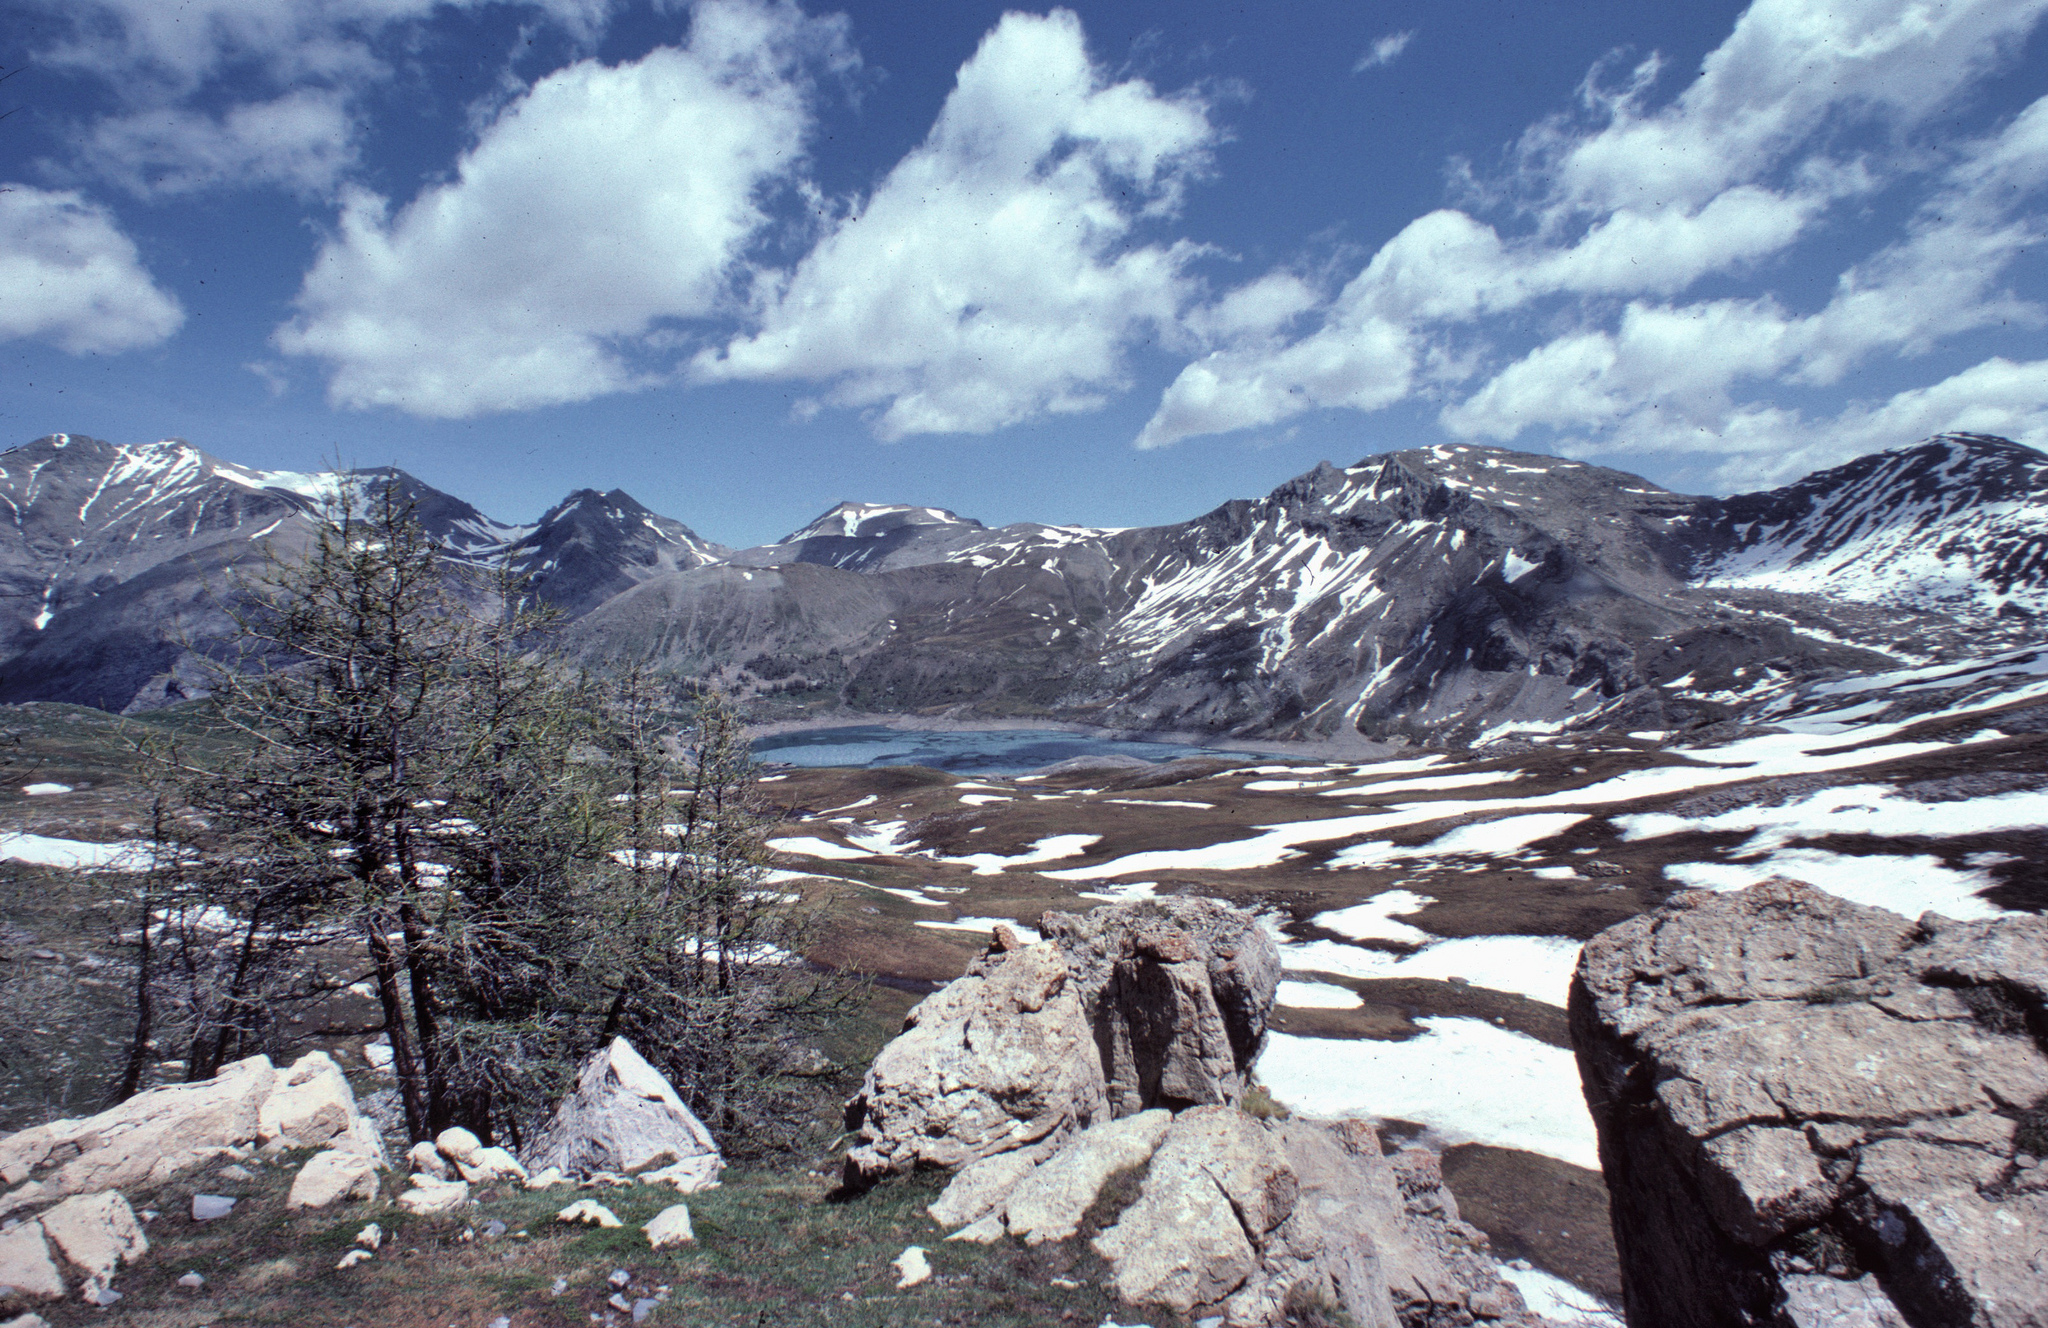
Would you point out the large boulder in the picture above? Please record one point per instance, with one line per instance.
(1157, 1004)
(1252, 1223)
(155, 1135)
(29, 1265)
(623, 1116)
(1805, 1104)
(313, 1106)
(1177, 991)
(144, 1141)
(999, 1059)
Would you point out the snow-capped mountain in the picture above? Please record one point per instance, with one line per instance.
(869, 537)
(591, 546)
(1443, 593)
(1958, 523)
(114, 563)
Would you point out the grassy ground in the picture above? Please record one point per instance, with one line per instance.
(771, 1248)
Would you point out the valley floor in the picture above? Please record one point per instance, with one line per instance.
(1429, 907)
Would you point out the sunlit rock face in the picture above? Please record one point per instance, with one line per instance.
(1804, 1103)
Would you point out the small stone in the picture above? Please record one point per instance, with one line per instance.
(502, 1321)
(235, 1173)
(211, 1207)
(545, 1178)
(591, 1211)
(671, 1226)
(619, 1302)
(458, 1145)
(644, 1307)
(911, 1267)
(192, 1281)
(561, 1285)
(352, 1258)
(619, 1279)
(370, 1237)
(101, 1296)
(494, 1229)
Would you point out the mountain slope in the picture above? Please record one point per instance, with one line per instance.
(1442, 593)
(1958, 523)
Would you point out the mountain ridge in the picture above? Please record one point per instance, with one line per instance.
(1444, 593)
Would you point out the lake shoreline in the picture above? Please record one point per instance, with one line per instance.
(1339, 749)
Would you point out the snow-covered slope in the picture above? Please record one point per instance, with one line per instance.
(1958, 524)
(1449, 593)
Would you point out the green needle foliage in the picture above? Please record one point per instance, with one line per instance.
(521, 861)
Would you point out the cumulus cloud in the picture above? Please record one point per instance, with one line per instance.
(995, 273)
(1612, 215)
(73, 278)
(595, 209)
(1384, 51)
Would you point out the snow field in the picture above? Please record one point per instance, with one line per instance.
(1558, 1300)
(1467, 1080)
(985, 925)
(43, 851)
(1318, 996)
(1906, 885)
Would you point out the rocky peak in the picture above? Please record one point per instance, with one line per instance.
(592, 546)
(850, 520)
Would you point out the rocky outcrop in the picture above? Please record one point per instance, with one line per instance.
(154, 1136)
(1812, 1112)
(1117, 1011)
(623, 1116)
(89, 1235)
(1177, 992)
(1124, 1043)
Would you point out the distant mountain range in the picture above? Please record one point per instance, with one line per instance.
(1449, 593)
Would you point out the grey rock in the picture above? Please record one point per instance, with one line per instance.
(1178, 991)
(998, 1059)
(1117, 1011)
(1216, 1187)
(1788, 1086)
(211, 1207)
(1815, 1301)
(1048, 1204)
(623, 1116)
(1243, 1220)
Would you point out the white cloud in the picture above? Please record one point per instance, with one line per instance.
(144, 45)
(993, 274)
(303, 141)
(73, 278)
(1618, 213)
(1384, 51)
(595, 208)
(168, 66)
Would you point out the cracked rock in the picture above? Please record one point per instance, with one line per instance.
(1812, 1111)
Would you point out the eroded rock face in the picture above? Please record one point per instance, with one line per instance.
(1000, 1059)
(1177, 991)
(1252, 1222)
(1118, 1011)
(622, 1116)
(1790, 1087)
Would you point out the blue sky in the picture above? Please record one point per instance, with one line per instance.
(1112, 264)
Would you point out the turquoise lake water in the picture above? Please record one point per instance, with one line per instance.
(998, 752)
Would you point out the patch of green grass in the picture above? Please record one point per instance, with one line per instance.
(771, 1248)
